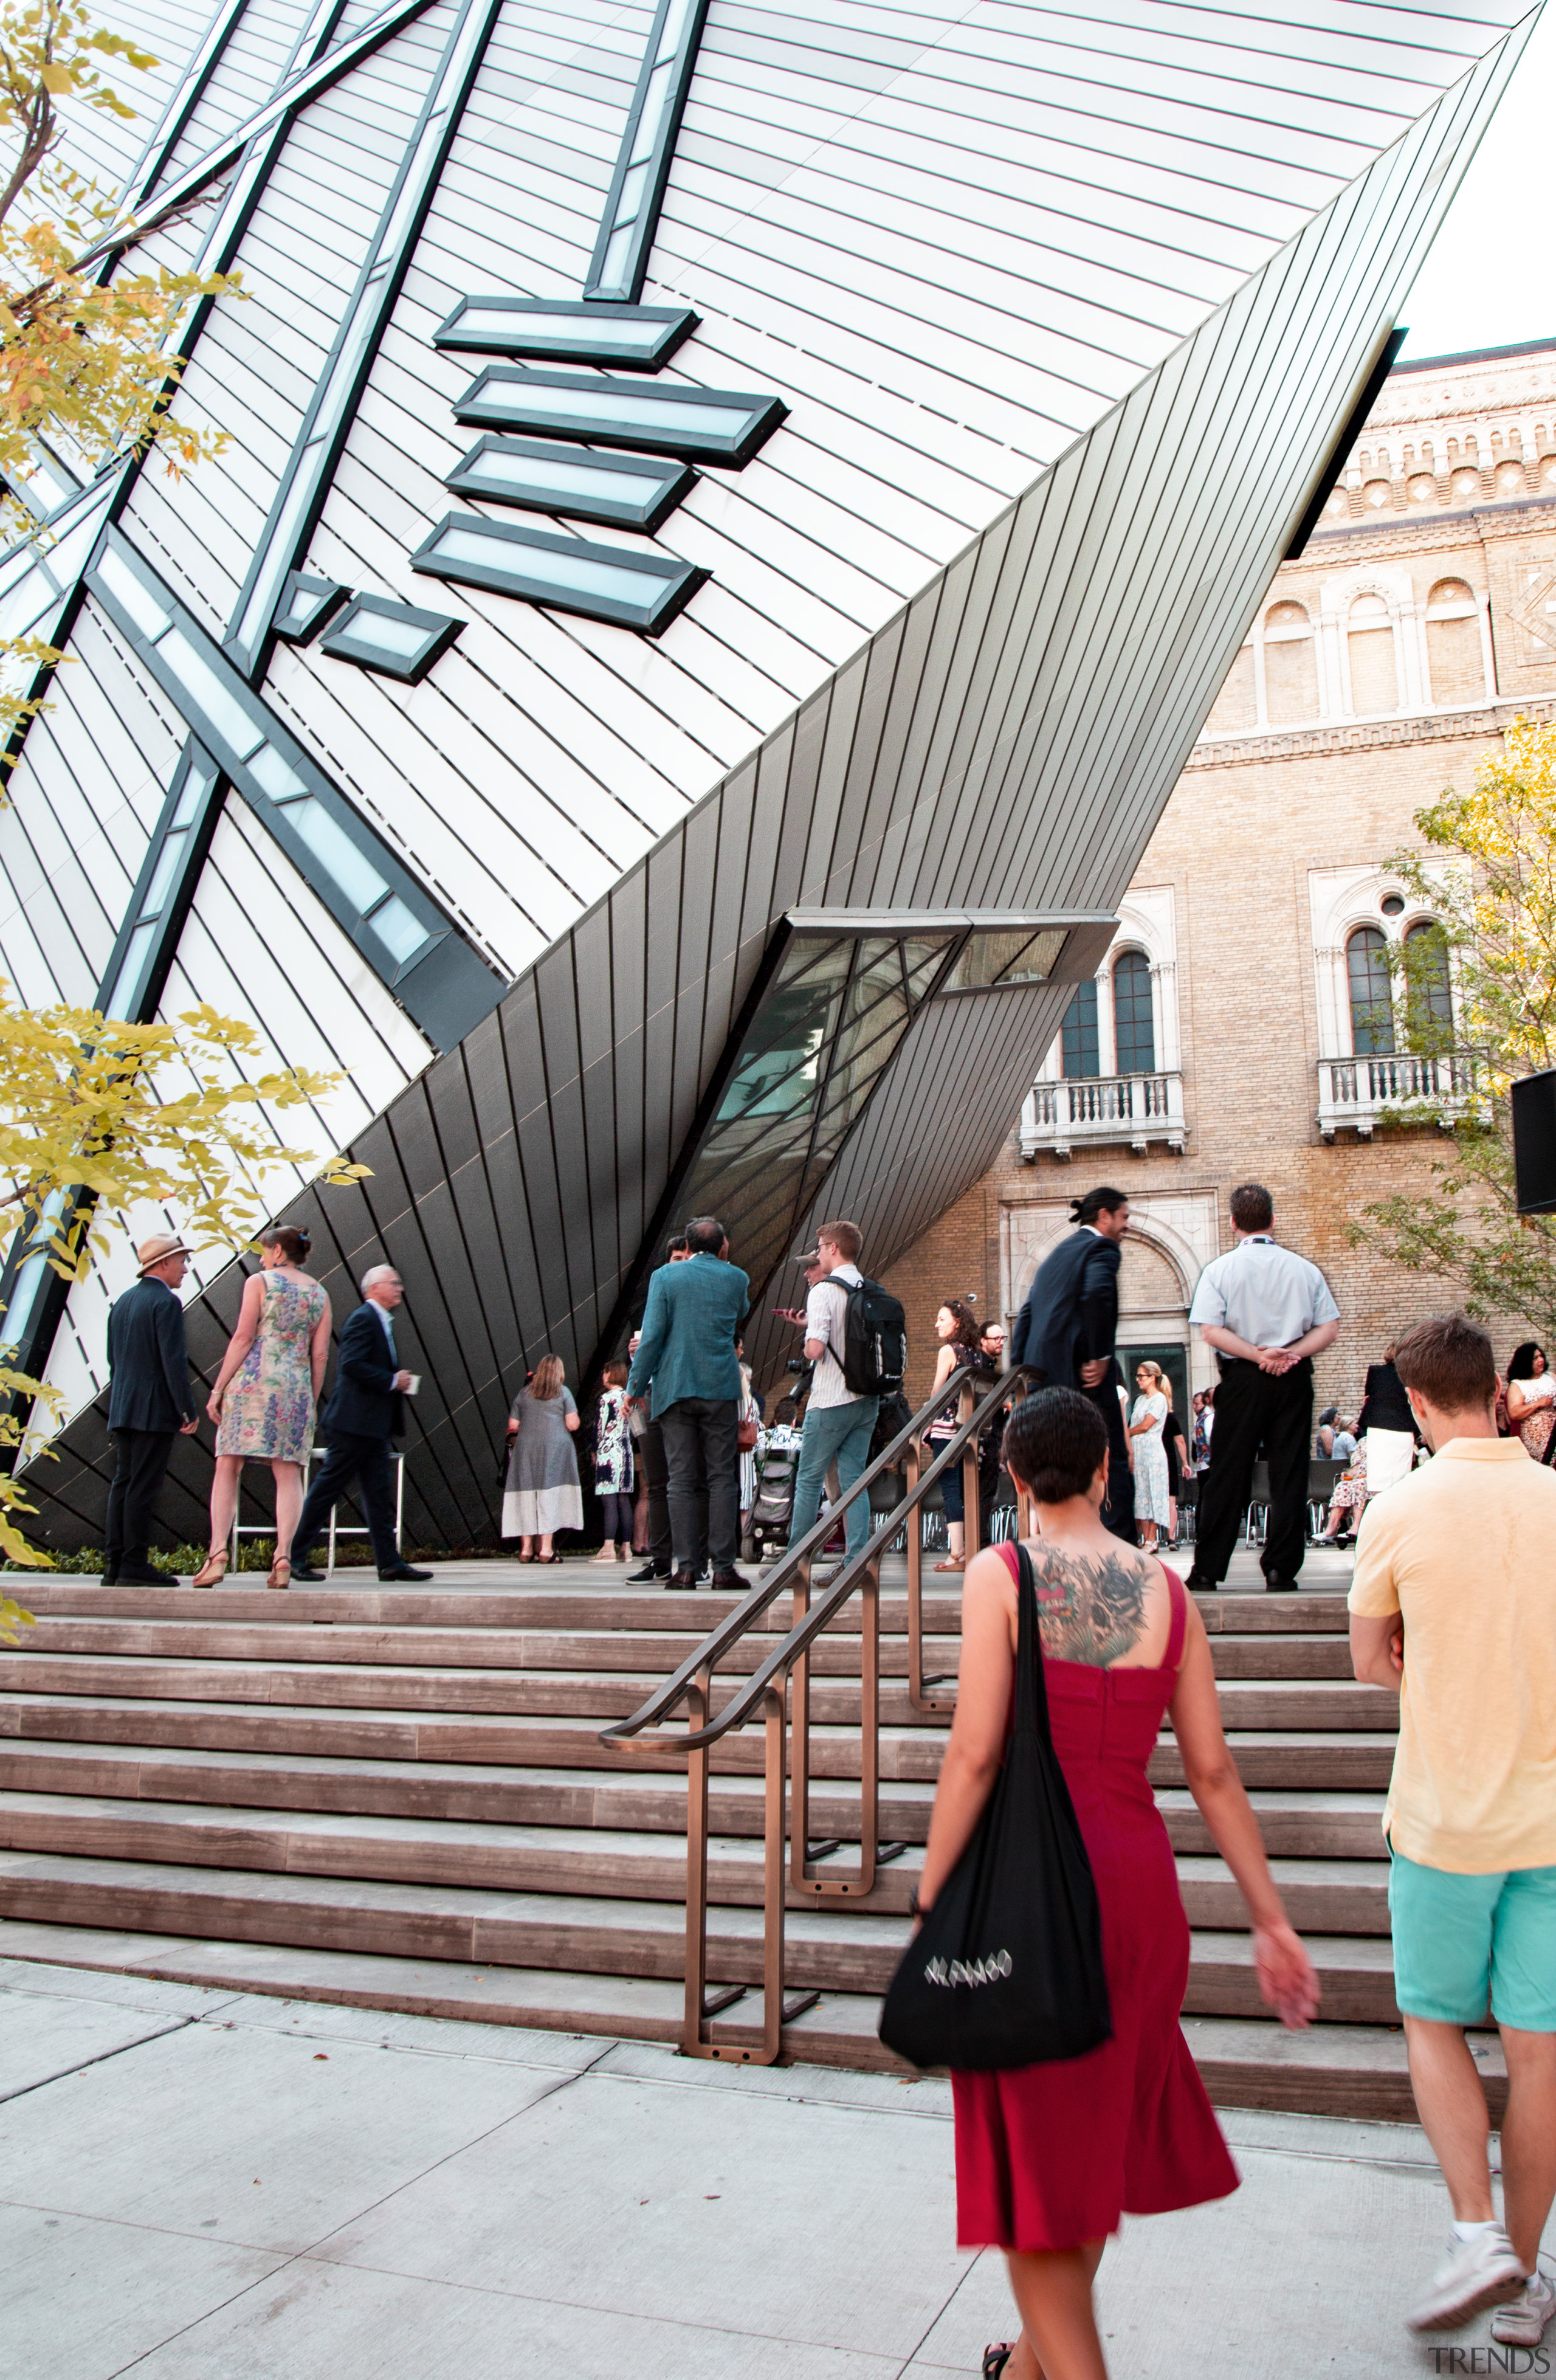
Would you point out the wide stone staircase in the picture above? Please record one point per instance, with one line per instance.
(398, 1798)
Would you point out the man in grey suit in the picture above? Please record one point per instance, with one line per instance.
(686, 1349)
(149, 1400)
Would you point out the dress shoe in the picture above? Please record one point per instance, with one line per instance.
(730, 1582)
(142, 1575)
(110, 1578)
(681, 1582)
(303, 1576)
(1194, 1584)
(403, 1576)
(651, 1571)
(1280, 1587)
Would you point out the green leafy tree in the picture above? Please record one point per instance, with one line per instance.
(1476, 1002)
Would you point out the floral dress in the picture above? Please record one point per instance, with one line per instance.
(267, 1408)
(1535, 1427)
(1150, 1462)
(612, 1445)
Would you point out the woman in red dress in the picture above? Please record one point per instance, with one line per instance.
(1048, 2157)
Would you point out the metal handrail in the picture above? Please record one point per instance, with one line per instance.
(769, 1690)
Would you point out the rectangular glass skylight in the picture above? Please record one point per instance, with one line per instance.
(704, 424)
(638, 493)
(392, 638)
(645, 336)
(306, 604)
(634, 590)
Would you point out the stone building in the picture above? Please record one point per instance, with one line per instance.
(1237, 1027)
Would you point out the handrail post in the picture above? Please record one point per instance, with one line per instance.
(772, 1882)
(970, 1514)
(694, 2040)
(800, 1754)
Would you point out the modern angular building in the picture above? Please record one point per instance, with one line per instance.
(733, 519)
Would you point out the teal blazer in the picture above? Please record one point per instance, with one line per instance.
(695, 1311)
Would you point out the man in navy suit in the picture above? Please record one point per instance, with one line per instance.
(694, 1313)
(364, 1411)
(1066, 1329)
(149, 1400)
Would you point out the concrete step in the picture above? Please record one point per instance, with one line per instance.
(1334, 2070)
(1327, 1896)
(511, 1694)
(851, 1950)
(1295, 1825)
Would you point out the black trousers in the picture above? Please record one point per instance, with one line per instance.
(704, 1487)
(1118, 1505)
(138, 1476)
(363, 1463)
(650, 1451)
(1256, 1411)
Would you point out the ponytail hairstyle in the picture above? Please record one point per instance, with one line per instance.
(1097, 1202)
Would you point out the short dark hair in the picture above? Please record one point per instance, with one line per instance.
(293, 1242)
(616, 1373)
(1521, 1363)
(705, 1235)
(676, 1245)
(1097, 1202)
(846, 1238)
(1253, 1210)
(1055, 1441)
(786, 1410)
(1447, 1359)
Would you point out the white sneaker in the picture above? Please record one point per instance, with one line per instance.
(1479, 2272)
(1522, 2323)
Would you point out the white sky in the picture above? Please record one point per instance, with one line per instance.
(1488, 282)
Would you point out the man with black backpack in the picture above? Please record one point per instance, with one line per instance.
(855, 1340)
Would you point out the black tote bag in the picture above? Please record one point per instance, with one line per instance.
(1006, 1969)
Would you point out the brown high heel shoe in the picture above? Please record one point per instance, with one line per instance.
(280, 1573)
(215, 1571)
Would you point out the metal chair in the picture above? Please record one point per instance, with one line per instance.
(1258, 1517)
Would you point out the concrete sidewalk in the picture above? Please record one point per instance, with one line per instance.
(201, 2186)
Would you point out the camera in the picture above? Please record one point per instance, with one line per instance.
(800, 1364)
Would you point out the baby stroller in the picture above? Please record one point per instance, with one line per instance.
(777, 1462)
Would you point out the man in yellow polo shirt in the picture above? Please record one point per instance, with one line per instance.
(1453, 1605)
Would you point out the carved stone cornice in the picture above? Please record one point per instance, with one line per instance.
(1393, 533)
(1369, 735)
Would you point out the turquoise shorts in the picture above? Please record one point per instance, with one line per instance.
(1462, 1941)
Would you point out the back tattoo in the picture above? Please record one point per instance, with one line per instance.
(1091, 1608)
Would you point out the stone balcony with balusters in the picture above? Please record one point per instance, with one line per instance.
(1355, 1094)
(1097, 1110)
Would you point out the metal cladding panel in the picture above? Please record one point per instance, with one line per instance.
(970, 603)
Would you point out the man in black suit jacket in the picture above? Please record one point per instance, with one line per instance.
(150, 1398)
(1066, 1329)
(364, 1411)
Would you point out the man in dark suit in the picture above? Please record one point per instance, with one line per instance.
(148, 1398)
(1066, 1329)
(364, 1411)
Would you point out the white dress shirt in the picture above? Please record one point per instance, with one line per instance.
(1268, 1295)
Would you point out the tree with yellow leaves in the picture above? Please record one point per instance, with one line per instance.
(87, 352)
(1495, 898)
(98, 1117)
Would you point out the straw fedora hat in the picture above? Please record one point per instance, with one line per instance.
(157, 1249)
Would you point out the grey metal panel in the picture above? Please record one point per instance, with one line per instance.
(1047, 710)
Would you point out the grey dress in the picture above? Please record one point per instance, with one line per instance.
(542, 1492)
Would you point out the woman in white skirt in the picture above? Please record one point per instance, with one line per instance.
(541, 1493)
(1150, 1453)
(1386, 1427)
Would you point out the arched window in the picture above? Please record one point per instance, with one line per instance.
(1291, 670)
(1078, 1043)
(1372, 1007)
(1133, 1027)
(1370, 645)
(1453, 659)
(1428, 990)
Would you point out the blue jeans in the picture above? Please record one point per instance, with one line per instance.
(840, 1434)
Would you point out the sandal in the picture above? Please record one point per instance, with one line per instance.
(215, 1571)
(952, 1562)
(280, 1573)
(995, 2358)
